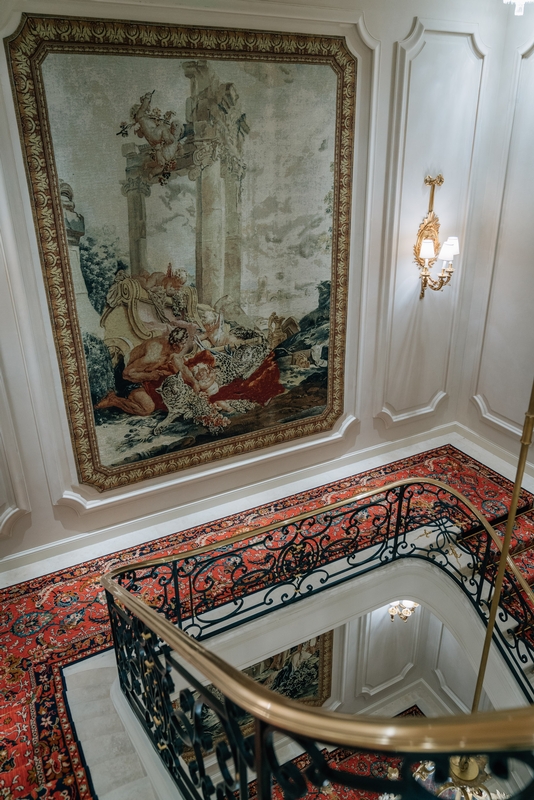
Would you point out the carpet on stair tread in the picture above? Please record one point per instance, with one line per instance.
(522, 534)
(524, 561)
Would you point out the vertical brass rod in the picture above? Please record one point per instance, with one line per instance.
(431, 200)
(526, 441)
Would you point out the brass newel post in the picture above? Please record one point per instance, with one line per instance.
(526, 441)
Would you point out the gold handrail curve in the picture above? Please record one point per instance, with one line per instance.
(482, 732)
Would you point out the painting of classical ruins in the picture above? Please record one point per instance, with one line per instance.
(197, 197)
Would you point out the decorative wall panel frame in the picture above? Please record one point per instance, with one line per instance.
(14, 497)
(27, 49)
(367, 681)
(486, 413)
(14, 500)
(397, 237)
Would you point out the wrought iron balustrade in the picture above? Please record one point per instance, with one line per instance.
(162, 608)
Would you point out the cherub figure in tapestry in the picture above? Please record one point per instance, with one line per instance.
(161, 132)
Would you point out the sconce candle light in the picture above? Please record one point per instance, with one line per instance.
(427, 246)
(519, 6)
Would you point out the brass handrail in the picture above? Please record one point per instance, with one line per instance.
(480, 732)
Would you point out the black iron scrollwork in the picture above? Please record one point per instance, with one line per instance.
(232, 584)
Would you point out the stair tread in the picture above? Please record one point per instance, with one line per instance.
(96, 726)
(110, 745)
(85, 694)
(91, 677)
(140, 789)
(116, 773)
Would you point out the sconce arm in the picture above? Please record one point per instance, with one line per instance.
(428, 282)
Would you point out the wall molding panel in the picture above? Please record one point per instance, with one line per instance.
(431, 133)
(486, 414)
(506, 362)
(376, 632)
(391, 417)
(14, 500)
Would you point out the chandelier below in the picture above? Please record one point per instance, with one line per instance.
(519, 6)
(467, 779)
(402, 609)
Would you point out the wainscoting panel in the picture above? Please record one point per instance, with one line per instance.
(507, 360)
(386, 651)
(14, 501)
(438, 86)
(453, 669)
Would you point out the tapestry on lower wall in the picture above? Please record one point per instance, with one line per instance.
(50, 622)
(302, 672)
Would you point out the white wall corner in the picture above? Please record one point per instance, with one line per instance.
(14, 499)
(372, 690)
(8, 516)
(471, 29)
(7, 9)
(366, 36)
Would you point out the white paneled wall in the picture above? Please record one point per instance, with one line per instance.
(398, 664)
(507, 357)
(444, 86)
(385, 653)
(438, 82)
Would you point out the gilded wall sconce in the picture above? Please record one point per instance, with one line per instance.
(427, 246)
(519, 6)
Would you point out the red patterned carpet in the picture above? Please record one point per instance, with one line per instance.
(365, 765)
(53, 621)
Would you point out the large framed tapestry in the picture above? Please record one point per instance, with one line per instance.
(302, 672)
(191, 193)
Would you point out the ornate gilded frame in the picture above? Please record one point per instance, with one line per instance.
(27, 48)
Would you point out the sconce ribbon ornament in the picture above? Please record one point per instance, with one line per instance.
(427, 246)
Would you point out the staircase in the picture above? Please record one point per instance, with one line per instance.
(116, 770)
